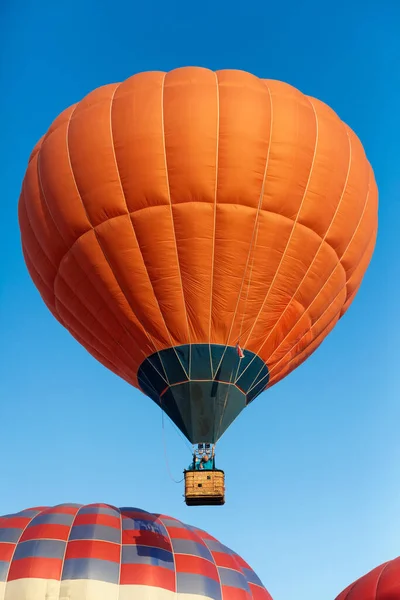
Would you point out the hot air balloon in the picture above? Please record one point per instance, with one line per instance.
(99, 552)
(200, 233)
(382, 583)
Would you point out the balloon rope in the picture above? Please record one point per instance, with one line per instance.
(319, 292)
(253, 242)
(241, 286)
(252, 249)
(166, 453)
(165, 444)
(247, 296)
(225, 403)
(232, 377)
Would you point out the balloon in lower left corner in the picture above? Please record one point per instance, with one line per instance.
(99, 552)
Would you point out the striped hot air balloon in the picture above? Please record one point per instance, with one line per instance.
(199, 233)
(99, 552)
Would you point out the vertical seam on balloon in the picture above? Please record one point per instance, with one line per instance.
(90, 344)
(318, 249)
(263, 191)
(317, 340)
(16, 544)
(228, 389)
(143, 375)
(106, 305)
(216, 566)
(56, 299)
(380, 577)
(240, 570)
(172, 217)
(294, 223)
(335, 317)
(103, 300)
(260, 201)
(137, 241)
(310, 330)
(215, 222)
(159, 519)
(316, 322)
(33, 235)
(101, 343)
(337, 265)
(72, 330)
(120, 555)
(31, 267)
(322, 288)
(43, 197)
(258, 224)
(290, 236)
(178, 431)
(99, 243)
(65, 550)
(99, 322)
(101, 248)
(77, 336)
(321, 242)
(58, 273)
(348, 590)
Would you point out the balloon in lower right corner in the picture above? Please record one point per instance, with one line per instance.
(382, 583)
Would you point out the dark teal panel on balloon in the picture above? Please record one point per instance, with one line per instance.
(203, 387)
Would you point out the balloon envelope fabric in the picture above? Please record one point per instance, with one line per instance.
(382, 583)
(99, 552)
(168, 219)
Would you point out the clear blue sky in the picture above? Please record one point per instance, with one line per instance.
(313, 476)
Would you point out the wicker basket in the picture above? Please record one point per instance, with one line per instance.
(204, 488)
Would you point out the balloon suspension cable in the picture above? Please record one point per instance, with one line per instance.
(165, 449)
(224, 407)
(250, 259)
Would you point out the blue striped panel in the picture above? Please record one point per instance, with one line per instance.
(144, 525)
(29, 513)
(189, 547)
(68, 505)
(172, 523)
(91, 568)
(41, 549)
(24, 513)
(95, 532)
(217, 547)
(146, 555)
(10, 534)
(252, 577)
(233, 579)
(190, 583)
(52, 518)
(99, 510)
(199, 532)
(131, 509)
(4, 566)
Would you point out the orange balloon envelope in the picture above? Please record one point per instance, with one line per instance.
(199, 234)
